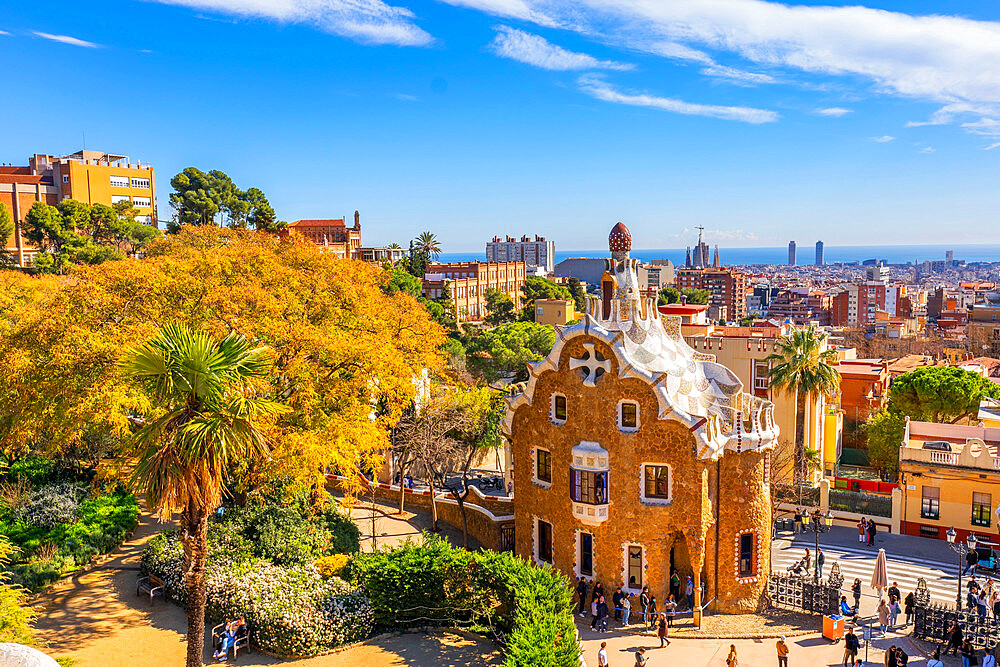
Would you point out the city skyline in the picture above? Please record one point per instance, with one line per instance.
(510, 115)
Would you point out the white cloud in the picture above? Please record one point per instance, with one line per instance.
(836, 112)
(4, 32)
(946, 59)
(679, 52)
(926, 149)
(992, 146)
(600, 89)
(407, 98)
(66, 39)
(737, 75)
(883, 139)
(536, 50)
(369, 21)
(989, 127)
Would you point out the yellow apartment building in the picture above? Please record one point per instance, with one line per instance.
(950, 476)
(555, 311)
(93, 177)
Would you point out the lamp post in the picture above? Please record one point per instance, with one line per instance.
(813, 523)
(961, 550)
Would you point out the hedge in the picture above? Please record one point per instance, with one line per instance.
(528, 609)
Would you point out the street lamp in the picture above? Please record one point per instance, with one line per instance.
(961, 550)
(813, 523)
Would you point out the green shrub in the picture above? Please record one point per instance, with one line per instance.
(531, 608)
(345, 538)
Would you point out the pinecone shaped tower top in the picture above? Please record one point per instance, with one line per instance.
(620, 239)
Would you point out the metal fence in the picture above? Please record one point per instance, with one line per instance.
(796, 494)
(801, 593)
(859, 502)
(932, 621)
(507, 537)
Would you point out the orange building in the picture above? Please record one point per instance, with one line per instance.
(727, 288)
(864, 387)
(468, 282)
(332, 234)
(91, 177)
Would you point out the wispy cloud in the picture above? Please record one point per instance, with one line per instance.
(835, 112)
(599, 88)
(938, 58)
(927, 149)
(66, 39)
(407, 98)
(536, 50)
(989, 127)
(737, 76)
(368, 21)
(4, 32)
(992, 146)
(883, 139)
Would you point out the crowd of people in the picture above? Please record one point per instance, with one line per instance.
(627, 607)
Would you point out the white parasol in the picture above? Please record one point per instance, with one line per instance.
(880, 577)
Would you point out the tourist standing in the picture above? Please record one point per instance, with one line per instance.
(872, 531)
(598, 590)
(863, 530)
(820, 560)
(856, 591)
(935, 660)
(889, 657)
(616, 600)
(644, 603)
(798, 528)
(640, 658)
(670, 607)
(969, 655)
(883, 615)
(652, 611)
(675, 584)
(602, 655)
(908, 604)
(581, 591)
(733, 660)
(971, 560)
(851, 646)
(661, 631)
(807, 560)
(626, 607)
(894, 592)
(689, 592)
(954, 638)
(893, 611)
(602, 615)
(782, 650)
(990, 658)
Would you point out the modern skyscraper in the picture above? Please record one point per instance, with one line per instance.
(791, 253)
(949, 257)
(534, 253)
(819, 253)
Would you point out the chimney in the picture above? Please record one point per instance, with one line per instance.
(684, 299)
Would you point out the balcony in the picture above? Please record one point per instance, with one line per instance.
(588, 486)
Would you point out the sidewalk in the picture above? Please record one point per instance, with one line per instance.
(906, 546)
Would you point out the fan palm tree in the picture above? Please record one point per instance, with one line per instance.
(211, 419)
(394, 246)
(802, 365)
(427, 243)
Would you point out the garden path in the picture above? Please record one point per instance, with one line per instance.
(95, 618)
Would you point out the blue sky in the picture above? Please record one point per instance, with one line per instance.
(761, 121)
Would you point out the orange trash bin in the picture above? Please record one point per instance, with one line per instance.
(833, 627)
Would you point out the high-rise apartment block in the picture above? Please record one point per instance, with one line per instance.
(467, 282)
(858, 305)
(791, 253)
(91, 177)
(535, 253)
(727, 288)
(820, 260)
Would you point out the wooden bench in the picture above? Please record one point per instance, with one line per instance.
(242, 639)
(151, 585)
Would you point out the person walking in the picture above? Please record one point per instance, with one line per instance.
(863, 530)
(581, 591)
(661, 631)
(602, 655)
(969, 655)
(689, 592)
(851, 646)
(807, 560)
(856, 591)
(640, 658)
(894, 592)
(781, 648)
(935, 659)
(883, 616)
(616, 601)
(652, 611)
(990, 658)
(644, 603)
(954, 638)
(820, 560)
(971, 561)
(626, 608)
(733, 660)
(670, 607)
(908, 604)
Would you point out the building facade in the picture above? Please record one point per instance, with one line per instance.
(983, 329)
(331, 234)
(555, 311)
(860, 304)
(91, 177)
(727, 288)
(791, 253)
(950, 478)
(534, 253)
(468, 282)
(634, 456)
(864, 387)
(820, 259)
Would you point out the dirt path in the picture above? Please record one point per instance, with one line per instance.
(95, 618)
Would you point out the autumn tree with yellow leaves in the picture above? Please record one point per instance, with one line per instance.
(345, 352)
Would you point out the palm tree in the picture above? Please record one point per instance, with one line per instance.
(394, 246)
(427, 243)
(802, 365)
(211, 420)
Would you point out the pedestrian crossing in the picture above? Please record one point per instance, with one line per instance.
(941, 578)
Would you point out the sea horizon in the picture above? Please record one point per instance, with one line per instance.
(778, 255)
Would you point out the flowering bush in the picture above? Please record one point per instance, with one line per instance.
(332, 566)
(53, 504)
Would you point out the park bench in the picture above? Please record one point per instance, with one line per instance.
(242, 638)
(151, 585)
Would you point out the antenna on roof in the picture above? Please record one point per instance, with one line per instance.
(84, 140)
